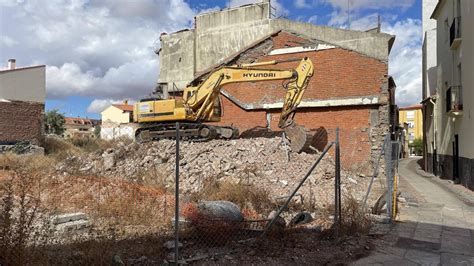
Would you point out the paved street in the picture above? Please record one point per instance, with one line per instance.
(435, 227)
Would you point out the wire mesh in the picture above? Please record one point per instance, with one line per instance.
(133, 220)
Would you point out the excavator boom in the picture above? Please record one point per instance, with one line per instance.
(199, 102)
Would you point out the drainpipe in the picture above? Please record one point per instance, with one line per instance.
(435, 129)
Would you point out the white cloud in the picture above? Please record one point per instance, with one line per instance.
(102, 49)
(313, 19)
(7, 41)
(99, 105)
(302, 4)
(343, 12)
(405, 60)
(369, 4)
(405, 56)
(280, 9)
(61, 81)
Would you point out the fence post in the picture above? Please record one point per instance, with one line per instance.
(337, 182)
(285, 205)
(176, 196)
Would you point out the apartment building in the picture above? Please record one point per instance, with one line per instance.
(412, 116)
(449, 94)
(80, 128)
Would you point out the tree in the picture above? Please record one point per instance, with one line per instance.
(417, 146)
(54, 122)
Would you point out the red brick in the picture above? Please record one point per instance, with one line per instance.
(21, 121)
(338, 73)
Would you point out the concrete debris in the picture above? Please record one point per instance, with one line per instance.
(23, 148)
(170, 244)
(70, 222)
(68, 217)
(259, 162)
(73, 226)
(380, 218)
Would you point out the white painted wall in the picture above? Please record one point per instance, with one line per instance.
(116, 115)
(23, 84)
(448, 75)
(110, 131)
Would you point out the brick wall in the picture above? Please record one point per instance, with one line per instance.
(338, 73)
(21, 121)
(353, 122)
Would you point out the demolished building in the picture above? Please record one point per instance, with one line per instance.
(350, 89)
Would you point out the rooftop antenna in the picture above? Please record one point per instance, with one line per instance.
(349, 12)
(379, 25)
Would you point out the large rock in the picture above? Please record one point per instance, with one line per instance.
(220, 210)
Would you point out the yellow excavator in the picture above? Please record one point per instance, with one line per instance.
(157, 117)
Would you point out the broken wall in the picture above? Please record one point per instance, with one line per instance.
(177, 59)
(217, 35)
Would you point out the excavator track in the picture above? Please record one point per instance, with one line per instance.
(299, 137)
(187, 131)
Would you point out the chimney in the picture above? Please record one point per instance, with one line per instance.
(11, 63)
(125, 102)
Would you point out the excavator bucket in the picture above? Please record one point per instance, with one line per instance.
(299, 137)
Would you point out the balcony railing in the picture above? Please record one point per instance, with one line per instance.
(454, 100)
(455, 33)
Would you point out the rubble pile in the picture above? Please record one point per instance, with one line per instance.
(262, 162)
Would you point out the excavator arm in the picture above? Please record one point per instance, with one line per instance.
(199, 104)
(200, 100)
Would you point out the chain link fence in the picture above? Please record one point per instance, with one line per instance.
(287, 206)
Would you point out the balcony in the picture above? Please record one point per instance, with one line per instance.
(455, 33)
(454, 100)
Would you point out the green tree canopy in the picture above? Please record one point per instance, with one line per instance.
(417, 145)
(54, 122)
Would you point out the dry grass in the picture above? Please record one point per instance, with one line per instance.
(353, 220)
(247, 197)
(22, 227)
(62, 148)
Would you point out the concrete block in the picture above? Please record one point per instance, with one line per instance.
(73, 226)
(68, 217)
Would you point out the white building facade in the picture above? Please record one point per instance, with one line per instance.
(448, 90)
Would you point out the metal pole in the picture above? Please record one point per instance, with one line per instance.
(374, 175)
(298, 187)
(176, 196)
(337, 216)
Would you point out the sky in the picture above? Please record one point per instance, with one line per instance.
(99, 52)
